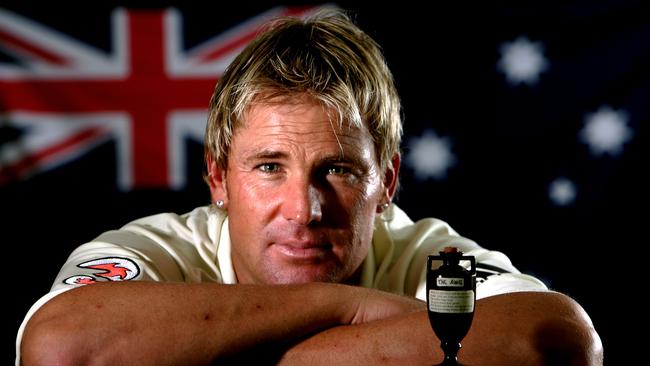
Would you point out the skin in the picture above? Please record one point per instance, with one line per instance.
(302, 193)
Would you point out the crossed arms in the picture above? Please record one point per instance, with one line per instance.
(147, 323)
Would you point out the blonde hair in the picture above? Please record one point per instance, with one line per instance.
(325, 56)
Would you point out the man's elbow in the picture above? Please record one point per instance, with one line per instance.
(49, 342)
(569, 337)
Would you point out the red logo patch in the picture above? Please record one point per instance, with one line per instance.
(112, 269)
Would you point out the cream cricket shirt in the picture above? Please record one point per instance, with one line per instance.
(195, 247)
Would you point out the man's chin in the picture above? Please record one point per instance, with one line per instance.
(305, 274)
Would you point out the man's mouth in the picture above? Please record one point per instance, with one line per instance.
(303, 250)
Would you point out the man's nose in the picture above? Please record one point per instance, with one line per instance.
(302, 202)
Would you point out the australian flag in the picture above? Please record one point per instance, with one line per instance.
(525, 127)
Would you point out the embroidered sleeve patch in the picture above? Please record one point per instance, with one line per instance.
(110, 268)
(79, 280)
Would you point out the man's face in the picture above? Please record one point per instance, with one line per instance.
(301, 194)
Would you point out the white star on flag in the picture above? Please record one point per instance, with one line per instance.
(606, 131)
(430, 156)
(562, 191)
(522, 61)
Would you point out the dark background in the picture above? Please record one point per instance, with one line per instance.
(509, 141)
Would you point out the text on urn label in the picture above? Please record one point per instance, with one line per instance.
(451, 301)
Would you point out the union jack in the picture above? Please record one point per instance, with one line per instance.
(148, 93)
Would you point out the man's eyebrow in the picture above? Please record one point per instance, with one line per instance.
(264, 154)
(340, 158)
(346, 159)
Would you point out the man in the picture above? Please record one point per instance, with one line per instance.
(302, 259)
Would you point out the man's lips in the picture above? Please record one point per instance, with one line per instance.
(302, 250)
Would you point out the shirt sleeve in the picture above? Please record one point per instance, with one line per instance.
(163, 247)
(401, 248)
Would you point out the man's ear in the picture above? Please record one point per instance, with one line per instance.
(216, 179)
(390, 178)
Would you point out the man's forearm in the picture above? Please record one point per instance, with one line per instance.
(514, 329)
(165, 324)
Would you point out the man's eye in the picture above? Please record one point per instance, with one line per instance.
(338, 170)
(269, 167)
